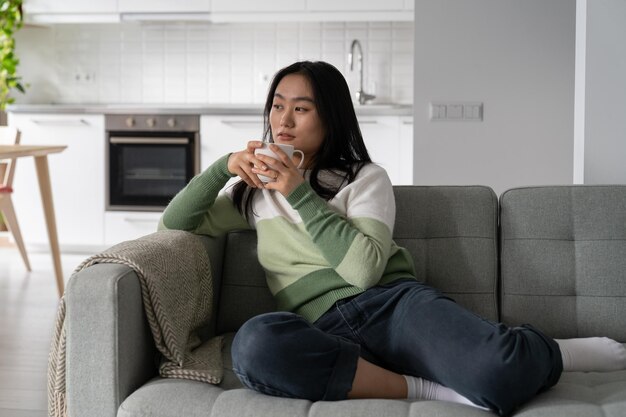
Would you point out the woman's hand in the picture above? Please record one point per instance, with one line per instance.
(282, 170)
(242, 164)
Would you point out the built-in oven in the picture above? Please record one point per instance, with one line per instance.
(149, 158)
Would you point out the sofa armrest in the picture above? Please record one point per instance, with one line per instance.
(110, 349)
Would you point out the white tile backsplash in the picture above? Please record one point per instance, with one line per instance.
(204, 63)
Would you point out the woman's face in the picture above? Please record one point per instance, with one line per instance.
(294, 119)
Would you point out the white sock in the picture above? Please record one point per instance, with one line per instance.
(599, 354)
(423, 389)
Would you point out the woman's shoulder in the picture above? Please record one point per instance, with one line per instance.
(372, 168)
(373, 172)
(367, 175)
(370, 195)
(371, 177)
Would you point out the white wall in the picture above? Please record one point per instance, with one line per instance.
(189, 63)
(605, 104)
(517, 57)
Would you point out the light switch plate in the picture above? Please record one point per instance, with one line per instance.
(456, 111)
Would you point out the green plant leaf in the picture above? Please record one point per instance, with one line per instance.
(10, 22)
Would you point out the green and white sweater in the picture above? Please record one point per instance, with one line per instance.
(314, 252)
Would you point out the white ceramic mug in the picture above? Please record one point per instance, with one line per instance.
(288, 149)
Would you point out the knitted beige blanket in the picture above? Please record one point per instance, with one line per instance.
(176, 285)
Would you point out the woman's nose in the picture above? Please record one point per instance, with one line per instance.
(286, 120)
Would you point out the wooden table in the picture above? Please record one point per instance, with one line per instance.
(40, 153)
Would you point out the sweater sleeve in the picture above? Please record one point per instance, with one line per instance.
(358, 244)
(199, 208)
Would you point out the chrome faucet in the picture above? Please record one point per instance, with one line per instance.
(361, 95)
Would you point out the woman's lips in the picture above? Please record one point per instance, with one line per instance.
(285, 136)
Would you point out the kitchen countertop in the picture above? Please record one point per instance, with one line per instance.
(200, 109)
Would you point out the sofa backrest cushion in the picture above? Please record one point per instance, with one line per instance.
(563, 259)
(451, 232)
(243, 293)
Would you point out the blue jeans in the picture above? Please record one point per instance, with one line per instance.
(406, 327)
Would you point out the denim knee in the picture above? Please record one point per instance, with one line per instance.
(282, 354)
(257, 341)
(526, 364)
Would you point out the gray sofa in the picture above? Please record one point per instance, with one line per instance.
(551, 256)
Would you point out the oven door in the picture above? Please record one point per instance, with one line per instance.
(146, 171)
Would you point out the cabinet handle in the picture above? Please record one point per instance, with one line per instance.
(368, 122)
(120, 140)
(60, 122)
(135, 220)
(164, 17)
(243, 123)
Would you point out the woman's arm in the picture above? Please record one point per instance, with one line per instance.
(197, 207)
(356, 245)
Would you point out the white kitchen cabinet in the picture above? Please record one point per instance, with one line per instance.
(311, 10)
(389, 140)
(114, 6)
(406, 142)
(70, 11)
(120, 226)
(247, 6)
(388, 148)
(354, 5)
(219, 11)
(163, 6)
(310, 5)
(220, 135)
(69, 6)
(76, 174)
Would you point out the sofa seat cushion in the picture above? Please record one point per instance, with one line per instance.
(181, 398)
(601, 394)
(577, 394)
(171, 397)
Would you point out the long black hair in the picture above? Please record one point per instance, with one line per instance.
(342, 152)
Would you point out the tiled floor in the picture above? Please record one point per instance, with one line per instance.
(28, 303)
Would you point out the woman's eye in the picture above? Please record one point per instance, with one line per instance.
(300, 109)
(277, 106)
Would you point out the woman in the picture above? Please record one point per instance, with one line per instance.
(353, 321)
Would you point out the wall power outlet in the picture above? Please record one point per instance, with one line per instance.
(84, 77)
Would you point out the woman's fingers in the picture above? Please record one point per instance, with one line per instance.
(241, 164)
(282, 156)
(254, 144)
(283, 170)
(282, 163)
(248, 165)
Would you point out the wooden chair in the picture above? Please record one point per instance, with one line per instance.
(10, 136)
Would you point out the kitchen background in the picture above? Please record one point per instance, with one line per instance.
(550, 75)
(199, 63)
(547, 77)
(219, 72)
